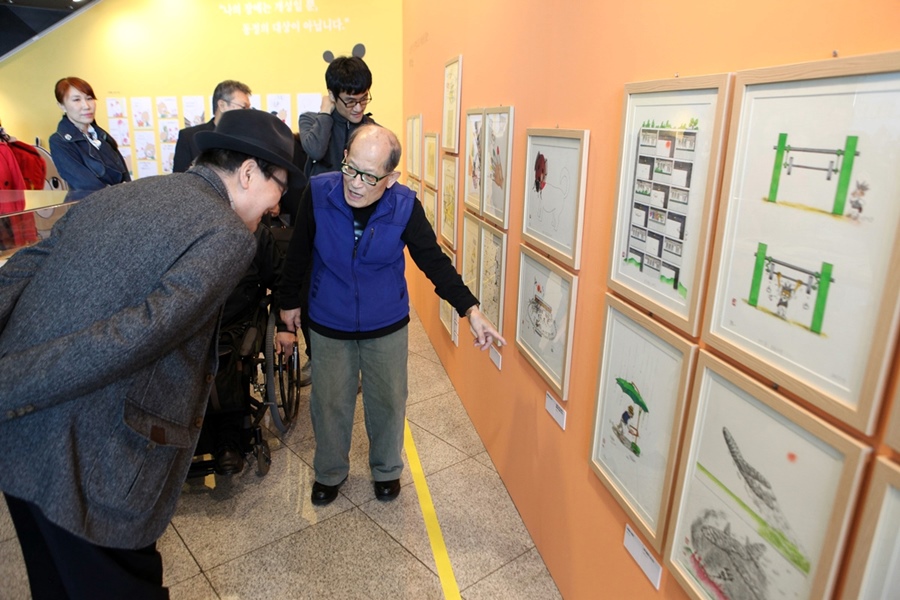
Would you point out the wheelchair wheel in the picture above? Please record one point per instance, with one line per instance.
(283, 391)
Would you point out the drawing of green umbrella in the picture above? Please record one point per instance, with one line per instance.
(629, 388)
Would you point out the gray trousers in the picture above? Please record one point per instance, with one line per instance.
(336, 365)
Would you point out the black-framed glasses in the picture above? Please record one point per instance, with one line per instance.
(366, 178)
(282, 184)
(353, 102)
(237, 105)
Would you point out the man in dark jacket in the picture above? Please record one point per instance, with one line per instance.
(228, 95)
(357, 223)
(107, 353)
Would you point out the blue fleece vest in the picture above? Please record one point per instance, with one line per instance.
(361, 288)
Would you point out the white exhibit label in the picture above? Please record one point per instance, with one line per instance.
(496, 357)
(642, 556)
(556, 411)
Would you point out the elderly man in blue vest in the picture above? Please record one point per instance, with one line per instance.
(353, 227)
(107, 353)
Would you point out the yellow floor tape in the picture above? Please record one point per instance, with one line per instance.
(438, 548)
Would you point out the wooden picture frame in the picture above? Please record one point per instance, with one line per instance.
(892, 433)
(451, 107)
(498, 145)
(414, 146)
(446, 309)
(802, 287)
(471, 253)
(492, 274)
(765, 492)
(474, 158)
(555, 183)
(644, 371)
(873, 568)
(545, 319)
(431, 160)
(449, 199)
(662, 235)
(429, 203)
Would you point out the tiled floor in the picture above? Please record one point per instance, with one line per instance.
(261, 537)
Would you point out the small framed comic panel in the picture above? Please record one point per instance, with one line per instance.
(641, 394)
(805, 284)
(545, 319)
(669, 169)
(450, 121)
(765, 492)
(555, 180)
(892, 435)
(493, 274)
(873, 570)
(429, 203)
(431, 160)
(449, 199)
(414, 146)
(446, 310)
(498, 139)
(474, 159)
(471, 252)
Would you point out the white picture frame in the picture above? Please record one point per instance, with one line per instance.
(497, 156)
(474, 160)
(765, 492)
(451, 106)
(545, 319)
(555, 183)
(661, 241)
(431, 160)
(802, 286)
(449, 199)
(642, 389)
(492, 274)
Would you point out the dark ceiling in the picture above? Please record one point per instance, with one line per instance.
(23, 20)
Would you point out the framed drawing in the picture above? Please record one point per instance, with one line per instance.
(669, 169)
(892, 434)
(449, 202)
(492, 274)
(803, 287)
(429, 203)
(471, 252)
(414, 146)
(431, 160)
(498, 138)
(474, 159)
(450, 122)
(555, 179)
(764, 496)
(873, 571)
(446, 309)
(546, 318)
(641, 394)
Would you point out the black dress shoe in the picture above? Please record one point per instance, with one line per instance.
(325, 494)
(229, 461)
(387, 490)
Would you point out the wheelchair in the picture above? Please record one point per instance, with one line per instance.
(264, 381)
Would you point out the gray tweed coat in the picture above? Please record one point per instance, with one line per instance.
(108, 349)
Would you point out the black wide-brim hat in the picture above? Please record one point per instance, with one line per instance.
(254, 133)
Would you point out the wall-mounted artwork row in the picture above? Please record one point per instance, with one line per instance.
(669, 167)
(555, 182)
(764, 496)
(641, 396)
(805, 284)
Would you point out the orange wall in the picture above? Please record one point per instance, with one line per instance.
(565, 64)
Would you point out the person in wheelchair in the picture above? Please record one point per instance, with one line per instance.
(223, 427)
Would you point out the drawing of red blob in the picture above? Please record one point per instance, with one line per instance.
(792, 457)
(540, 173)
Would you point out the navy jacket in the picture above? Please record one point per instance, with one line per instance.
(80, 164)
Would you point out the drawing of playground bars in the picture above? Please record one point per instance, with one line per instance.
(785, 281)
(659, 206)
(840, 162)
